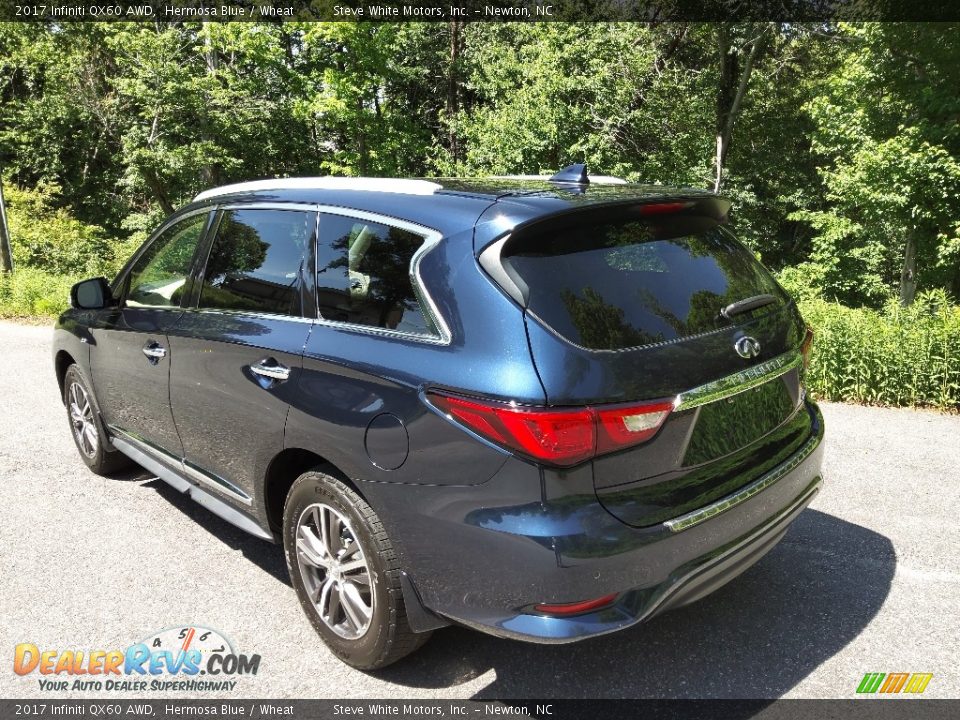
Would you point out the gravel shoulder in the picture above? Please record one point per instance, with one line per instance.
(867, 580)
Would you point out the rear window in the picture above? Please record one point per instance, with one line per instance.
(626, 282)
(363, 275)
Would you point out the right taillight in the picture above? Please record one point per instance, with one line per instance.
(557, 436)
(807, 347)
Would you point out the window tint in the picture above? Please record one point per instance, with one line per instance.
(256, 259)
(625, 283)
(364, 275)
(158, 277)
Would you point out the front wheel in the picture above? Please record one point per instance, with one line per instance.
(345, 572)
(87, 429)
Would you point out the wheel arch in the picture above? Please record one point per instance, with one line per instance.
(283, 471)
(62, 361)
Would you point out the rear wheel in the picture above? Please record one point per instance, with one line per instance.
(87, 430)
(345, 572)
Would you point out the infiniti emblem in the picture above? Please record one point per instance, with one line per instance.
(747, 347)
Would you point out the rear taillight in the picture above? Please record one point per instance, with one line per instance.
(558, 436)
(622, 427)
(807, 347)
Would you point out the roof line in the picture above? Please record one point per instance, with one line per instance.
(387, 185)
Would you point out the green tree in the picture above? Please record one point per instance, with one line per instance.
(887, 142)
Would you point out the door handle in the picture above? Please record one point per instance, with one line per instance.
(154, 351)
(270, 368)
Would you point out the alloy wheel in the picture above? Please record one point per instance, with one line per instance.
(82, 420)
(334, 570)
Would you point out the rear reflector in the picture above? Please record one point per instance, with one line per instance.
(558, 436)
(577, 607)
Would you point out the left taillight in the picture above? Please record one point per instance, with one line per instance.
(557, 436)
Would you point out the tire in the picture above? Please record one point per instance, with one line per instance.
(354, 533)
(86, 426)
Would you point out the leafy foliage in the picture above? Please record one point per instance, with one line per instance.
(842, 160)
(894, 356)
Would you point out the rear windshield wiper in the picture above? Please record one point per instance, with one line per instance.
(746, 305)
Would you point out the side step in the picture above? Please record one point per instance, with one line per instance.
(171, 477)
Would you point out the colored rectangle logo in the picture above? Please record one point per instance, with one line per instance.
(893, 683)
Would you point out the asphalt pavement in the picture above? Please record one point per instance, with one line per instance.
(867, 580)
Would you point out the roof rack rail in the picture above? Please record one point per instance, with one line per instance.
(390, 185)
(571, 175)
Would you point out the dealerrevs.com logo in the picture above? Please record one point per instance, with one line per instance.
(189, 658)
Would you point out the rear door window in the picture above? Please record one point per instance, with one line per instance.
(615, 283)
(256, 260)
(363, 275)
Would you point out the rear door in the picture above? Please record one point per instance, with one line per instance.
(238, 351)
(660, 301)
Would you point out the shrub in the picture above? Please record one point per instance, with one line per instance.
(29, 292)
(49, 238)
(895, 356)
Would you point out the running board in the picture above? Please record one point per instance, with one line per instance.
(168, 475)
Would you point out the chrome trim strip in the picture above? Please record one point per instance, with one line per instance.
(147, 448)
(431, 238)
(215, 481)
(730, 501)
(256, 315)
(738, 382)
(142, 444)
(213, 504)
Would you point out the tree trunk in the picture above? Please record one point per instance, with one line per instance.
(363, 154)
(724, 98)
(212, 175)
(731, 91)
(453, 90)
(6, 255)
(908, 273)
(156, 187)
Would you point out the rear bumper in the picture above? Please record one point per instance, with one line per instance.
(487, 566)
(687, 584)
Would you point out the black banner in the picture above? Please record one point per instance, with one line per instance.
(863, 709)
(59, 11)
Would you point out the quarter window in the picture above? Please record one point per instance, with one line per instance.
(159, 276)
(256, 260)
(363, 275)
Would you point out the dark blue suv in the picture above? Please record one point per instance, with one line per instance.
(546, 409)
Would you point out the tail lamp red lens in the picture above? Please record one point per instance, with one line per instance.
(578, 607)
(558, 436)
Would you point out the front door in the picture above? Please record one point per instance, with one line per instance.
(130, 356)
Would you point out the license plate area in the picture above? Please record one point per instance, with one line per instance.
(727, 425)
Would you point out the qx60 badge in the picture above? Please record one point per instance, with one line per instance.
(747, 347)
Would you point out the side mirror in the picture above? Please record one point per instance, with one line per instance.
(91, 294)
